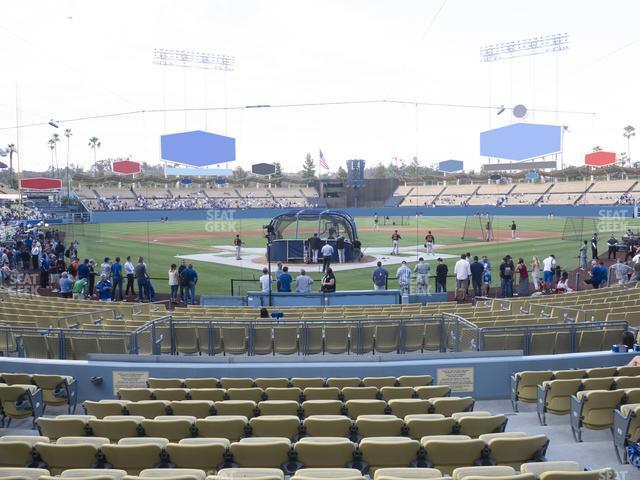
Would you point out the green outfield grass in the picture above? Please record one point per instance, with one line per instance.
(159, 243)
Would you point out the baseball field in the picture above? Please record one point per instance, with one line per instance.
(201, 242)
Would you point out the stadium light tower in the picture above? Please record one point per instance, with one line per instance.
(524, 48)
(191, 59)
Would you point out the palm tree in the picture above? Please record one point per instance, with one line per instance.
(56, 138)
(67, 133)
(94, 143)
(629, 132)
(52, 145)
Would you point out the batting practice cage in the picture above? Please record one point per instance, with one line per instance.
(579, 228)
(478, 227)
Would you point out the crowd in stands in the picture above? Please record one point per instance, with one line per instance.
(14, 211)
(195, 200)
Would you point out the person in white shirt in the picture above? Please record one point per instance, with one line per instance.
(462, 271)
(129, 271)
(548, 267)
(403, 274)
(265, 281)
(327, 252)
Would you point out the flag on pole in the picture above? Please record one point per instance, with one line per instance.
(323, 162)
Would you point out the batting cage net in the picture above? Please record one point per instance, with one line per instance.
(579, 228)
(478, 227)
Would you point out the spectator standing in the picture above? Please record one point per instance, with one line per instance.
(193, 280)
(486, 281)
(105, 268)
(284, 283)
(535, 272)
(395, 242)
(477, 269)
(104, 288)
(583, 255)
(265, 281)
(356, 249)
(548, 267)
(622, 271)
(66, 285)
(44, 271)
(422, 276)
(462, 272)
(340, 248)
(140, 272)
(612, 250)
(92, 277)
(116, 276)
(327, 252)
(237, 242)
(523, 278)
(174, 281)
(442, 270)
(129, 270)
(303, 282)
(594, 246)
(506, 278)
(379, 277)
(314, 247)
(328, 282)
(403, 274)
(182, 268)
(429, 240)
(36, 250)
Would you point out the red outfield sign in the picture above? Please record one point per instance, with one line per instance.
(41, 183)
(600, 159)
(126, 167)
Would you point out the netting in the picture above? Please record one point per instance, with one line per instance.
(478, 227)
(579, 228)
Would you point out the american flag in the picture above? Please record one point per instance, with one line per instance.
(323, 162)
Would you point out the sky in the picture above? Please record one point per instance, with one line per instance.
(69, 59)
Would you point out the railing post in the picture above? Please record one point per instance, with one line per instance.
(481, 339)
(61, 345)
(250, 346)
(212, 338)
(154, 347)
(573, 334)
(401, 338)
(526, 341)
(577, 281)
(172, 334)
(457, 335)
(443, 334)
(305, 339)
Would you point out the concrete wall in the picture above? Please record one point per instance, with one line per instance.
(490, 372)
(513, 211)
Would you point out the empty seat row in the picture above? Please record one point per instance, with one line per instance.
(133, 455)
(555, 396)
(300, 382)
(248, 408)
(556, 470)
(56, 389)
(257, 394)
(312, 339)
(76, 347)
(233, 428)
(524, 385)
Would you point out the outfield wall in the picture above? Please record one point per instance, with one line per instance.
(603, 211)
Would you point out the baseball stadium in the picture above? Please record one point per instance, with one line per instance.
(314, 260)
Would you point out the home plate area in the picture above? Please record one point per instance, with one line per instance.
(255, 258)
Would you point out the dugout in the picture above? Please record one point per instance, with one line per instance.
(291, 230)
